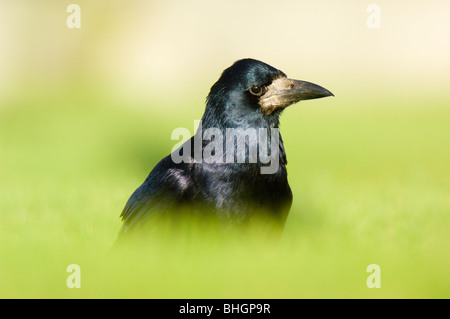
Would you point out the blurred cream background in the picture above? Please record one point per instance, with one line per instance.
(139, 48)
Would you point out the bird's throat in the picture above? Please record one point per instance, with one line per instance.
(262, 147)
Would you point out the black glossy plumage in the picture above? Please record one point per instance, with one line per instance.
(229, 191)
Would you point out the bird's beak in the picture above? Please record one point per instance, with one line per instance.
(283, 92)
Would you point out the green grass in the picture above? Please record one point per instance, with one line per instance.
(371, 185)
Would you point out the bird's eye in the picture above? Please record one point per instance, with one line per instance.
(256, 90)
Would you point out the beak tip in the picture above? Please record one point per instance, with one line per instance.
(311, 91)
(326, 92)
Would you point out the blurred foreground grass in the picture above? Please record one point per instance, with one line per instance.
(371, 186)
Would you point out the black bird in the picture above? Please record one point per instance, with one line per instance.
(231, 184)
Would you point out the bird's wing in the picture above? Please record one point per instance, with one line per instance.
(161, 191)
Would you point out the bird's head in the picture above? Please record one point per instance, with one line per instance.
(251, 91)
